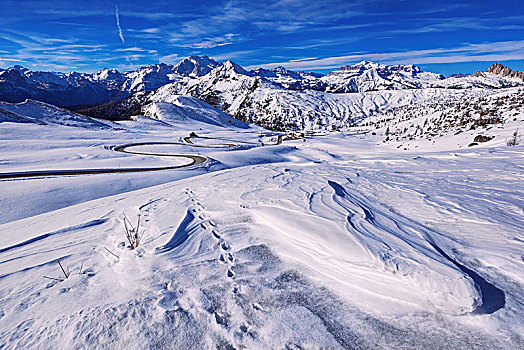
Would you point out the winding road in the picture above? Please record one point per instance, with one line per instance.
(196, 160)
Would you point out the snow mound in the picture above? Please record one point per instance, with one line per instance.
(31, 111)
(186, 109)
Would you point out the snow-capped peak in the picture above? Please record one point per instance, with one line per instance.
(230, 65)
(362, 65)
(195, 66)
(229, 68)
(369, 65)
(108, 74)
(367, 76)
(20, 69)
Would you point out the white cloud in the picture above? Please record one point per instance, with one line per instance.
(206, 43)
(485, 52)
(131, 49)
(234, 54)
(171, 59)
(118, 24)
(11, 60)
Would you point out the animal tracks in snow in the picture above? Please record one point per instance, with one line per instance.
(191, 237)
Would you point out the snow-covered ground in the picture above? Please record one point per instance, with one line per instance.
(337, 240)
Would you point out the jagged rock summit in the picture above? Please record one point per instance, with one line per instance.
(196, 66)
(503, 71)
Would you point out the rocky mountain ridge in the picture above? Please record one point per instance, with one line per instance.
(503, 71)
(80, 90)
(74, 90)
(277, 99)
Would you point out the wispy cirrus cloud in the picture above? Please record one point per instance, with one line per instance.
(301, 34)
(118, 24)
(439, 25)
(231, 55)
(206, 43)
(170, 59)
(4, 60)
(131, 49)
(482, 52)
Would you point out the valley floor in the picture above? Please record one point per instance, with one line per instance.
(333, 241)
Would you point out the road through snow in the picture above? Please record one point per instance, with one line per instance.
(331, 242)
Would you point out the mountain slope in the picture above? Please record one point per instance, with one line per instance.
(277, 99)
(195, 66)
(292, 80)
(37, 112)
(468, 119)
(254, 99)
(186, 109)
(80, 90)
(370, 76)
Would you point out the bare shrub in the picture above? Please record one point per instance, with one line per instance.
(514, 140)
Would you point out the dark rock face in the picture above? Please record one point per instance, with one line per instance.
(503, 71)
(483, 138)
(478, 74)
(118, 110)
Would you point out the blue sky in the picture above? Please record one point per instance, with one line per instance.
(441, 36)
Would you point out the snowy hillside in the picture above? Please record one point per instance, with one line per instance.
(195, 66)
(371, 76)
(37, 112)
(81, 90)
(261, 97)
(187, 109)
(473, 118)
(292, 80)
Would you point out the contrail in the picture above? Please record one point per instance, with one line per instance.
(118, 24)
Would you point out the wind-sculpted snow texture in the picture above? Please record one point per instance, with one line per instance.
(334, 240)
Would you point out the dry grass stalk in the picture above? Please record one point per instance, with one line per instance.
(66, 274)
(112, 253)
(514, 140)
(132, 234)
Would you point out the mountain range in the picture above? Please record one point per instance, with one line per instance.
(76, 90)
(279, 99)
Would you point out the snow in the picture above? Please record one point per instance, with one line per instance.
(42, 113)
(335, 240)
(82, 89)
(285, 100)
(195, 66)
(177, 109)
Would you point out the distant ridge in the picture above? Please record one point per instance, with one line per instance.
(497, 69)
(503, 71)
